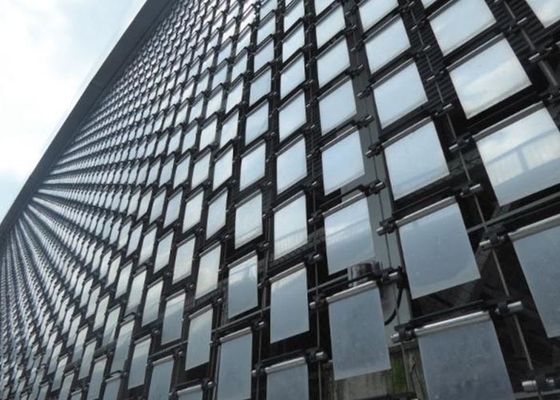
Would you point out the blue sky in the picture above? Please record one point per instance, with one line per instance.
(49, 49)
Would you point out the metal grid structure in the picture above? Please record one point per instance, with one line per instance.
(312, 199)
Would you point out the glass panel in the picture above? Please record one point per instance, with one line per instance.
(198, 344)
(333, 61)
(235, 95)
(192, 393)
(362, 349)
(488, 77)
(193, 209)
(405, 85)
(256, 123)
(437, 252)
(342, 162)
(163, 252)
(242, 286)
(260, 86)
(538, 254)
(329, 26)
(292, 76)
(348, 236)
(111, 326)
(289, 313)
(183, 260)
(548, 11)
(321, 5)
(248, 220)
(124, 277)
(252, 166)
(166, 172)
(208, 134)
(96, 378)
(151, 305)
(112, 387)
(264, 55)
(372, 11)
(207, 279)
(161, 379)
(291, 165)
(173, 319)
(148, 244)
(200, 170)
(157, 206)
(234, 378)
(522, 157)
(290, 226)
(293, 13)
(182, 171)
(460, 21)
(288, 383)
(87, 359)
(136, 290)
(122, 347)
(134, 239)
(229, 129)
(464, 362)
(138, 364)
(223, 168)
(337, 106)
(216, 214)
(292, 116)
(294, 41)
(386, 45)
(415, 160)
(266, 29)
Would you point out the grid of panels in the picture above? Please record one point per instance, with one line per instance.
(216, 226)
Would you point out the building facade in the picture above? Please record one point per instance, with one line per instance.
(309, 199)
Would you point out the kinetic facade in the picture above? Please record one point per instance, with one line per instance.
(305, 200)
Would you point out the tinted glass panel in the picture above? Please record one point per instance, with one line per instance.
(242, 286)
(223, 168)
(288, 382)
(193, 209)
(183, 260)
(290, 226)
(173, 319)
(216, 214)
(207, 279)
(256, 123)
(163, 252)
(151, 305)
(198, 345)
(252, 166)
(248, 220)
(337, 106)
(342, 162)
(138, 363)
(234, 378)
(161, 380)
(291, 165)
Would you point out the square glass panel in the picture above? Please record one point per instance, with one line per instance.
(386, 44)
(342, 161)
(547, 11)
(184, 259)
(242, 286)
(522, 155)
(289, 313)
(173, 208)
(415, 159)
(256, 123)
(216, 214)
(260, 86)
(373, 11)
(234, 376)
(193, 210)
(464, 362)
(173, 318)
(223, 168)
(288, 380)
(362, 349)
(163, 251)
(207, 279)
(248, 220)
(151, 305)
(139, 361)
(292, 115)
(182, 171)
(136, 291)
(337, 106)
(294, 41)
(198, 343)
(292, 76)
(160, 384)
(460, 21)
(291, 165)
(201, 170)
(333, 61)
(122, 347)
(493, 74)
(405, 85)
(538, 252)
(290, 226)
(437, 251)
(252, 166)
(329, 26)
(348, 236)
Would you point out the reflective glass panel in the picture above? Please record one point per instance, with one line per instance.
(288, 381)
(173, 318)
(216, 214)
(198, 344)
(333, 61)
(161, 379)
(294, 41)
(148, 244)
(139, 361)
(290, 226)
(242, 286)
(248, 220)
(547, 11)
(291, 165)
(183, 259)
(207, 279)
(151, 305)
(256, 123)
(173, 208)
(223, 168)
(329, 26)
(96, 378)
(386, 45)
(191, 393)
(136, 290)
(490, 76)
(405, 85)
(234, 377)
(292, 115)
(157, 206)
(292, 76)
(372, 11)
(294, 12)
(337, 106)
(193, 209)
(342, 162)
(182, 171)
(252, 166)
(229, 129)
(437, 251)
(123, 346)
(289, 313)
(163, 251)
(200, 170)
(264, 55)
(260, 86)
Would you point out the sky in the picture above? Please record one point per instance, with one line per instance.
(49, 50)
